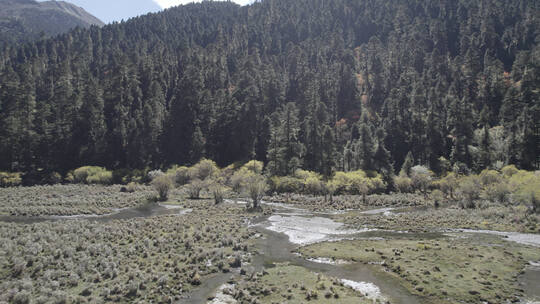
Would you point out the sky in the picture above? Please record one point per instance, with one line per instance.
(117, 10)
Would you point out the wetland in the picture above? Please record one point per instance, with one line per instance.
(194, 251)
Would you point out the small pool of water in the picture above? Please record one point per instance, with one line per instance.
(530, 283)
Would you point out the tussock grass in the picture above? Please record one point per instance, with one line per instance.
(154, 259)
(460, 270)
(68, 199)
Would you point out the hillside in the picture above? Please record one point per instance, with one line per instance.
(321, 85)
(27, 20)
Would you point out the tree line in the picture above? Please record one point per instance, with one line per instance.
(318, 85)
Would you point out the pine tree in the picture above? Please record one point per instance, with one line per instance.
(407, 164)
(485, 144)
(285, 150)
(365, 146)
(91, 128)
(328, 152)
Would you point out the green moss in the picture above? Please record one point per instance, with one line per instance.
(444, 270)
(286, 283)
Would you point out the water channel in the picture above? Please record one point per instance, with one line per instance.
(289, 227)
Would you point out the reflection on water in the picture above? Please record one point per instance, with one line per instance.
(289, 227)
(303, 230)
(384, 211)
(284, 233)
(530, 283)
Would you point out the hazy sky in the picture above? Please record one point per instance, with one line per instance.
(116, 10)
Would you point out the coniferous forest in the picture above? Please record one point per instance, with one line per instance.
(286, 151)
(313, 84)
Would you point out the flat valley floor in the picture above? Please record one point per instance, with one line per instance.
(96, 244)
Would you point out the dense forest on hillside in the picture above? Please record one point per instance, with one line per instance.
(313, 84)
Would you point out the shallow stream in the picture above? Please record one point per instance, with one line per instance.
(290, 227)
(146, 210)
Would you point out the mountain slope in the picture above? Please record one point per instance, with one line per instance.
(25, 20)
(316, 84)
(110, 11)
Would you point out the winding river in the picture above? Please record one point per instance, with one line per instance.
(289, 227)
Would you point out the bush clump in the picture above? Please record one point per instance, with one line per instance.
(356, 182)
(92, 175)
(421, 178)
(10, 179)
(162, 184)
(249, 180)
(403, 183)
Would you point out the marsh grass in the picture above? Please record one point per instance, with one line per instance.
(292, 284)
(443, 270)
(149, 259)
(351, 202)
(487, 215)
(68, 199)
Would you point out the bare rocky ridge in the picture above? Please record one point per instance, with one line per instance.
(27, 20)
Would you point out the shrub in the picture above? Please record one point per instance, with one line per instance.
(239, 178)
(509, 170)
(22, 297)
(310, 181)
(218, 192)
(162, 184)
(313, 186)
(356, 182)
(154, 173)
(194, 188)
(285, 184)
(460, 168)
(331, 188)
(226, 173)
(489, 177)
(421, 178)
(103, 178)
(444, 165)
(236, 181)
(125, 176)
(403, 183)
(341, 182)
(498, 192)
(255, 185)
(132, 187)
(8, 179)
(81, 174)
(204, 169)
(437, 197)
(535, 202)
(254, 166)
(92, 175)
(70, 178)
(377, 184)
(448, 184)
(181, 175)
(55, 178)
(469, 189)
(525, 186)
